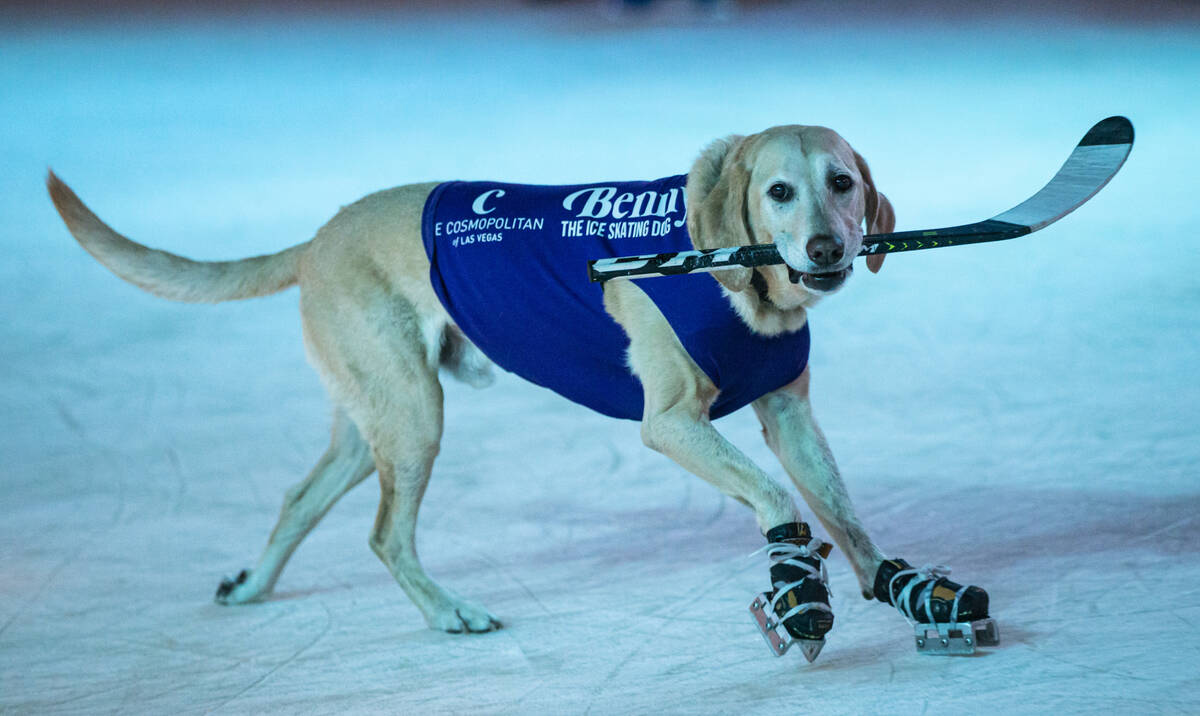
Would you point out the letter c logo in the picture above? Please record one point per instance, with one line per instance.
(477, 205)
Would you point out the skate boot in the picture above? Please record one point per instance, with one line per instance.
(796, 610)
(947, 618)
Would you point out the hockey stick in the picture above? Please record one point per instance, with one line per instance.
(1095, 160)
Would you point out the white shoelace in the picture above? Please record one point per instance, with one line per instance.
(786, 553)
(927, 575)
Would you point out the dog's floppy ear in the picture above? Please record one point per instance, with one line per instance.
(880, 217)
(716, 200)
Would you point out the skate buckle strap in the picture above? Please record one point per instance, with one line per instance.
(770, 624)
(929, 575)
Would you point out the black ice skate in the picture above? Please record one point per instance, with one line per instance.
(796, 610)
(947, 618)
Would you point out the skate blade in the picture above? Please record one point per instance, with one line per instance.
(811, 648)
(776, 635)
(959, 639)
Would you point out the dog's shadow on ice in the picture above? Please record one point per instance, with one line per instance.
(979, 529)
(1007, 527)
(302, 594)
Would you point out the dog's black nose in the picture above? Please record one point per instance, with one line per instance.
(825, 250)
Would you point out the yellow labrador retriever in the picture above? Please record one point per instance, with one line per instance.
(377, 333)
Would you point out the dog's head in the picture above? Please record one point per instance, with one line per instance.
(803, 189)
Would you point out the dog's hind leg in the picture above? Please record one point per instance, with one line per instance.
(345, 463)
(378, 336)
(405, 435)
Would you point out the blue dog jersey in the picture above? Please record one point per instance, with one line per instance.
(509, 263)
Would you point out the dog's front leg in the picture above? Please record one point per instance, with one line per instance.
(675, 417)
(675, 422)
(793, 435)
(682, 432)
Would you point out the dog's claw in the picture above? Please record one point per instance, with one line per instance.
(228, 585)
(492, 625)
(463, 617)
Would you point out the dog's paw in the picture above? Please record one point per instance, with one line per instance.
(459, 616)
(242, 589)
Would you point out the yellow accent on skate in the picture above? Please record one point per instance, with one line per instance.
(943, 592)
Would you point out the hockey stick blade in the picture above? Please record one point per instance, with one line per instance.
(1095, 160)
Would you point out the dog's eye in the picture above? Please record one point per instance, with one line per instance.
(842, 183)
(780, 191)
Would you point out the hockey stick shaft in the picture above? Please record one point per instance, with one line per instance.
(1096, 159)
(703, 260)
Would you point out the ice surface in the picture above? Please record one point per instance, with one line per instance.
(1024, 411)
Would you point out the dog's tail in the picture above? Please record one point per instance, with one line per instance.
(165, 274)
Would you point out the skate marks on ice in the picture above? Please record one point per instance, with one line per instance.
(632, 598)
(628, 592)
